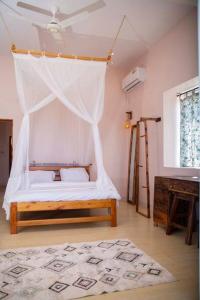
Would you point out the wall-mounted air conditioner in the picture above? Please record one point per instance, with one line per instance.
(132, 79)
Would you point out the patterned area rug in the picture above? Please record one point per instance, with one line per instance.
(76, 270)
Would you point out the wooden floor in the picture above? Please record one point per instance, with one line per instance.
(170, 251)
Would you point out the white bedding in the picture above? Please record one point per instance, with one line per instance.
(57, 191)
(74, 175)
(63, 184)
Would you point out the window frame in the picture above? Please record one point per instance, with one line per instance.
(171, 121)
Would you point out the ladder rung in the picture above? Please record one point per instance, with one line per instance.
(143, 135)
(145, 187)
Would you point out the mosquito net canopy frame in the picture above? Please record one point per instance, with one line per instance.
(79, 85)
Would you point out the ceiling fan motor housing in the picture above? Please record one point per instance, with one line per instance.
(53, 26)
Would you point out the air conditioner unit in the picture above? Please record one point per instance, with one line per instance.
(132, 79)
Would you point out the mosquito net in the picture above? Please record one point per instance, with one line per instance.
(59, 136)
(79, 85)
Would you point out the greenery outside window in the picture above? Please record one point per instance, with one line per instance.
(190, 129)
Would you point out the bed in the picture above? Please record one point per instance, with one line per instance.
(83, 96)
(59, 196)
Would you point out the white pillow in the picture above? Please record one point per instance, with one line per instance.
(41, 176)
(74, 175)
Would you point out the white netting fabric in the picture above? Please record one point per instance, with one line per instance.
(79, 85)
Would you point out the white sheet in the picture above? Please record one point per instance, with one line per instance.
(64, 184)
(58, 191)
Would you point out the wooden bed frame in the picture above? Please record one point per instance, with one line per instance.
(18, 207)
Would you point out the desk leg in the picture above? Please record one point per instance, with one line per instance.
(190, 225)
(172, 213)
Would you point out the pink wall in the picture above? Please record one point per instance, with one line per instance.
(170, 62)
(9, 107)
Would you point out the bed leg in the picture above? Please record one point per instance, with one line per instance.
(13, 218)
(113, 213)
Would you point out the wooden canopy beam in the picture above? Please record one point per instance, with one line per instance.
(52, 54)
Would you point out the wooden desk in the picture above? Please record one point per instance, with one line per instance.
(161, 195)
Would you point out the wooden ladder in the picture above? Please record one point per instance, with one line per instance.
(138, 166)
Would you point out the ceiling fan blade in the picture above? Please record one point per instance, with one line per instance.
(73, 20)
(89, 8)
(34, 8)
(42, 11)
(33, 22)
(97, 5)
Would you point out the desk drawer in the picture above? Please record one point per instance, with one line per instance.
(184, 186)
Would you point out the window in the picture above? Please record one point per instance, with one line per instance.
(181, 125)
(190, 128)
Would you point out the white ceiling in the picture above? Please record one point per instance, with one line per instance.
(149, 20)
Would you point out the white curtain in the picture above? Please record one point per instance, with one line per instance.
(79, 85)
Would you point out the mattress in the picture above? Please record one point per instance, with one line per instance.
(57, 191)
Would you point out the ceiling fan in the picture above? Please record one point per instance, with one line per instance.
(54, 26)
(59, 21)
